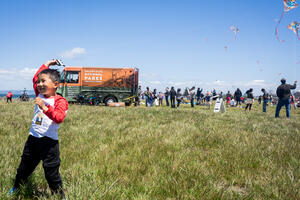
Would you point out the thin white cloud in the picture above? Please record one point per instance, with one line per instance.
(27, 73)
(73, 53)
(155, 82)
(14, 78)
(218, 83)
(148, 75)
(185, 83)
(6, 72)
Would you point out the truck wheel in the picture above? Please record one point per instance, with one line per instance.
(109, 99)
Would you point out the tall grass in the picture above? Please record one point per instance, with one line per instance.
(161, 153)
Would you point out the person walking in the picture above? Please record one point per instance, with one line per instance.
(265, 99)
(250, 99)
(192, 95)
(9, 97)
(284, 92)
(172, 97)
(167, 94)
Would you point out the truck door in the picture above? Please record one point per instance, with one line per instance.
(61, 88)
(72, 85)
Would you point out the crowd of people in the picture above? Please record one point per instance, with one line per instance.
(174, 98)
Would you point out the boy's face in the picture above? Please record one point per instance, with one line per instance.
(46, 86)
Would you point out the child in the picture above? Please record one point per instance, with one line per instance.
(42, 143)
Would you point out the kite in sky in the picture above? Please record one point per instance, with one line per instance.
(288, 5)
(235, 30)
(294, 26)
(225, 47)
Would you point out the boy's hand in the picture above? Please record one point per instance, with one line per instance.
(41, 104)
(51, 62)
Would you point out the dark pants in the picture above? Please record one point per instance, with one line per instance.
(178, 102)
(167, 100)
(172, 102)
(35, 150)
(192, 102)
(248, 106)
(265, 103)
(160, 102)
(283, 102)
(8, 99)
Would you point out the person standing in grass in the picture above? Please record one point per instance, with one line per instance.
(148, 96)
(9, 96)
(250, 99)
(42, 143)
(265, 99)
(228, 98)
(198, 95)
(178, 97)
(237, 97)
(284, 92)
(160, 98)
(172, 97)
(192, 95)
(167, 94)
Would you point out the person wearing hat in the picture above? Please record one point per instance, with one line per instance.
(283, 93)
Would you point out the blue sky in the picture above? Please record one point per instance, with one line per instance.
(173, 43)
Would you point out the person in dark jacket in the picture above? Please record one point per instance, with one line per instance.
(167, 94)
(284, 92)
(214, 95)
(172, 97)
(237, 97)
(265, 99)
(250, 99)
(198, 95)
(178, 97)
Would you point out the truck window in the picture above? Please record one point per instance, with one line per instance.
(72, 77)
(62, 77)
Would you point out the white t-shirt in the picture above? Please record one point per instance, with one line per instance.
(42, 125)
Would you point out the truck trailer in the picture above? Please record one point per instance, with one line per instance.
(99, 85)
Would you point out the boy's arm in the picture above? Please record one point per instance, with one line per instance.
(35, 78)
(59, 111)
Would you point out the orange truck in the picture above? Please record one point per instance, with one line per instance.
(97, 85)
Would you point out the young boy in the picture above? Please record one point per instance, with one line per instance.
(42, 143)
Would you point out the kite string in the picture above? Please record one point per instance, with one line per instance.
(296, 56)
(276, 29)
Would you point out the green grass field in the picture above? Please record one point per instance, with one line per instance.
(161, 153)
